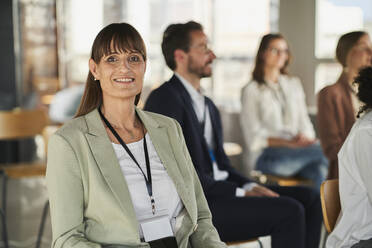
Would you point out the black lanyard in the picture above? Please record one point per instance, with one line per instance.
(148, 179)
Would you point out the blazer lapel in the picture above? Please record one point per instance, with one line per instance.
(194, 119)
(213, 117)
(187, 102)
(160, 138)
(107, 162)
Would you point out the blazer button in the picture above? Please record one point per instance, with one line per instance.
(195, 227)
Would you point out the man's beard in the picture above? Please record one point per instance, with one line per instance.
(200, 71)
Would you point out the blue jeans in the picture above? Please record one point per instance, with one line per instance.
(306, 162)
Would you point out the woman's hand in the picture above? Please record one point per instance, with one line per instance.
(301, 140)
(298, 141)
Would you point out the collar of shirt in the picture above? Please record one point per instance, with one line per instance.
(275, 85)
(198, 102)
(197, 98)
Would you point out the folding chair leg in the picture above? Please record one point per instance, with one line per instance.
(3, 212)
(42, 223)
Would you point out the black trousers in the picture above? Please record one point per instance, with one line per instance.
(363, 244)
(293, 220)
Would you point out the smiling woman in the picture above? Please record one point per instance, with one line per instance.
(123, 175)
(120, 74)
(111, 45)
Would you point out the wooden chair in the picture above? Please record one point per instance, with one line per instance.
(20, 124)
(331, 206)
(288, 181)
(279, 180)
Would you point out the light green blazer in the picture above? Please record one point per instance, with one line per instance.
(89, 197)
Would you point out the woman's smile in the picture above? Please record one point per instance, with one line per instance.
(125, 80)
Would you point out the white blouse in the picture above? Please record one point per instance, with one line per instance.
(273, 110)
(165, 194)
(355, 187)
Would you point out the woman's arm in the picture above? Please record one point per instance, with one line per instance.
(205, 234)
(298, 141)
(328, 128)
(255, 135)
(276, 142)
(66, 196)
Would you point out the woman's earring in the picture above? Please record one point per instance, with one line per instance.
(95, 79)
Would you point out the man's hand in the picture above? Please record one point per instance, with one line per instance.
(261, 191)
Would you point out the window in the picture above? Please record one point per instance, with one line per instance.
(334, 18)
(234, 38)
(78, 22)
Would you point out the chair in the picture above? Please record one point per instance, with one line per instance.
(280, 180)
(331, 206)
(20, 124)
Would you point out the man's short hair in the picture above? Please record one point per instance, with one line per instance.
(177, 36)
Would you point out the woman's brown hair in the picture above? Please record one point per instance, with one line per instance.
(258, 71)
(345, 43)
(121, 37)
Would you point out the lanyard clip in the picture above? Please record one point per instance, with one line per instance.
(152, 204)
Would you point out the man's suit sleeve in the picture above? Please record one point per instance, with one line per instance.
(163, 101)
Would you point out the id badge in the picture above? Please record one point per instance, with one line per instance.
(156, 227)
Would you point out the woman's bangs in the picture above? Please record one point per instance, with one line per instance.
(123, 43)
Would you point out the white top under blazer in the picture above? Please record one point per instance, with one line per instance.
(165, 194)
(273, 110)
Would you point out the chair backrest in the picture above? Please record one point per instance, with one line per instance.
(17, 124)
(331, 205)
(47, 133)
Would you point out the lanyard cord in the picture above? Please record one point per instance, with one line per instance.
(202, 124)
(148, 179)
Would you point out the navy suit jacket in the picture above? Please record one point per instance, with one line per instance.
(173, 100)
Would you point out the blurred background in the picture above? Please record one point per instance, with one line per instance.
(45, 47)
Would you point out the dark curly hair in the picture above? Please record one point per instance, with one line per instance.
(364, 82)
